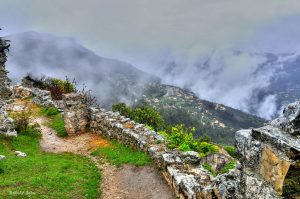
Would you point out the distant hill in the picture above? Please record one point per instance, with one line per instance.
(39, 53)
(182, 106)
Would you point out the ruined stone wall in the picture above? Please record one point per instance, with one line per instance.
(182, 170)
(4, 81)
(270, 158)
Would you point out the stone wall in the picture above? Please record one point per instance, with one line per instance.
(76, 113)
(4, 81)
(182, 170)
(270, 158)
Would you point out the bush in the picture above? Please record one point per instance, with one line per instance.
(148, 116)
(231, 150)
(181, 137)
(21, 121)
(122, 109)
(205, 148)
(144, 115)
(57, 87)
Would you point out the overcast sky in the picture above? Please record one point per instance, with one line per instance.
(154, 35)
(136, 29)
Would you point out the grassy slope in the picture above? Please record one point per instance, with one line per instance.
(119, 154)
(44, 174)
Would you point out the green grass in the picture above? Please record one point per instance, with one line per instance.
(44, 175)
(56, 120)
(57, 123)
(209, 168)
(228, 166)
(49, 111)
(119, 154)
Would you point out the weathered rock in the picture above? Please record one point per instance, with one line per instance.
(5, 90)
(289, 122)
(76, 113)
(2, 157)
(6, 123)
(269, 158)
(20, 154)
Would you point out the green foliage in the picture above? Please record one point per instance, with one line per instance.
(119, 154)
(209, 168)
(182, 138)
(228, 166)
(21, 120)
(47, 175)
(205, 148)
(57, 87)
(144, 115)
(122, 109)
(57, 123)
(49, 111)
(231, 150)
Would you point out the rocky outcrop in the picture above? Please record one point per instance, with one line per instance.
(270, 158)
(4, 81)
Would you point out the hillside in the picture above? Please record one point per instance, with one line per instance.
(45, 54)
(182, 106)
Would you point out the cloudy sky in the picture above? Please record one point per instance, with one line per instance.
(158, 34)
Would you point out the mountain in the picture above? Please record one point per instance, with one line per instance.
(114, 81)
(44, 54)
(285, 83)
(179, 105)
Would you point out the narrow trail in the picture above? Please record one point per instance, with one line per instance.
(127, 182)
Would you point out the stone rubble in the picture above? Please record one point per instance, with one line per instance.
(20, 154)
(2, 157)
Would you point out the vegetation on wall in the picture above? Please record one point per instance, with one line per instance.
(177, 136)
(57, 87)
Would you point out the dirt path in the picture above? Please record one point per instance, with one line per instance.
(127, 182)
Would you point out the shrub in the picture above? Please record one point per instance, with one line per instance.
(144, 115)
(122, 109)
(231, 150)
(181, 137)
(57, 87)
(21, 120)
(149, 116)
(205, 148)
